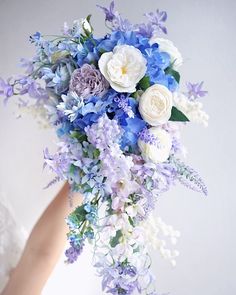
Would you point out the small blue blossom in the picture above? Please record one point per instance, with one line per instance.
(36, 38)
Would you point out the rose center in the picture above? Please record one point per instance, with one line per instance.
(158, 104)
(124, 70)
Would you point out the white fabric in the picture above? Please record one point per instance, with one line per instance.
(12, 240)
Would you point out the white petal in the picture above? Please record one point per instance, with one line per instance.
(102, 63)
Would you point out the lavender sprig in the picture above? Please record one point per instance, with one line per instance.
(52, 182)
(189, 177)
(146, 136)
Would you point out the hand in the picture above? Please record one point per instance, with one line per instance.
(43, 248)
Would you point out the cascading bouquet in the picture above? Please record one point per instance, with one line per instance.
(118, 111)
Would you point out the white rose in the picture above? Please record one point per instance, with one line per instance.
(123, 68)
(156, 153)
(166, 45)
(155, 105)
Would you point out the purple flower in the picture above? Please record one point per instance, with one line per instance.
(109, 12)
(114, 17)
(73, 252)
(87, 81)
(121, 24)
(6, 90)
(145, 30)
(123, 290)
(194, 90)
(176, 145)
(27, 85)
(103, 134)
(58, 163)
(157, 19)
(120, 278)
(130, 270)
(147, 137)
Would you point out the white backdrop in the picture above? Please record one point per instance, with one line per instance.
(204, 31)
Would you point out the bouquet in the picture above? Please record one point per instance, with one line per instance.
(118, 111)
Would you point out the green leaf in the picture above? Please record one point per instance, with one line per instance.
(88, 190)
(72, 168)
(89, 18)
(115, 240)
(79, 136)
(131, 221)
(136, 249)
(135, 94)
(144, 83)
(177, 115)
(79, 213)
(173, 73)
(96, 153)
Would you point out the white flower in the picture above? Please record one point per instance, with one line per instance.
(155, 105)
(156, 153)
(192, 109)
(166, 45)
(153, 229)
(134, 209)
(120, 221)
(123, 68)
(108, 233)
(85, 25)
(122, 251)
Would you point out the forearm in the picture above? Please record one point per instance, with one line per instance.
(43, 248)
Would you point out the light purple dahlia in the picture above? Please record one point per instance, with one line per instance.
(88, 81)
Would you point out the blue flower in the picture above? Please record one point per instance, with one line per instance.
(36, 38)
(69, 46)
(91, 210)
(132, 127)
(65, 128)
(157, 63)
(121, 38)
(89, 234)
(88, 52)
(94, 107)
(58, 76)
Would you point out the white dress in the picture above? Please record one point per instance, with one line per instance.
(12, 240)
